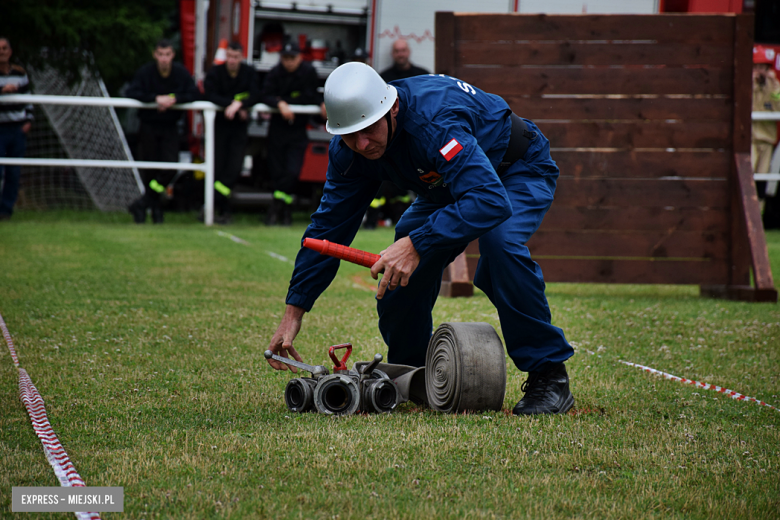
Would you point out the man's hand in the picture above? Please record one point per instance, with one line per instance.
(26, 127)
(164, 102)
(232, 109)
(282, 342)
(10, 88)
(284, 109)
(398, 262)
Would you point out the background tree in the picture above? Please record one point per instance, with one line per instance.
(110, 37)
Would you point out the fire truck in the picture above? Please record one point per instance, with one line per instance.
(329, 32)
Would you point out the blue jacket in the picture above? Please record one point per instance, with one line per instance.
(449, 139)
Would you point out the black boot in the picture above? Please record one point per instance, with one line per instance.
(157, 215)
(138, 210)
(272, 215)
(372, 218)
(224, 219)
(546, 393)
(287, 215)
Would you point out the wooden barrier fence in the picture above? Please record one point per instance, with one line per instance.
(648, 117)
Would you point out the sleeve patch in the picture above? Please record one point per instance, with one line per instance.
(451, 149)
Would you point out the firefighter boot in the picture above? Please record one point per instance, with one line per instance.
(138, 210)
(157, 215)
(272, 215)
(287, 214)
(546, 393)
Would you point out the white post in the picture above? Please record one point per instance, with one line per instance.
(200, 38)
(250, 41)
(208, 213)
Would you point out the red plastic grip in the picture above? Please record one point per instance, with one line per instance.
(340, 365)
(350, 254)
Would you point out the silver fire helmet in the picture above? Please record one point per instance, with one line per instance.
(355, 98)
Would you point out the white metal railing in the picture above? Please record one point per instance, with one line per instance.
(209, 112)
(765, 116)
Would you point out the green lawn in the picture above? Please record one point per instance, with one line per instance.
(146, 344)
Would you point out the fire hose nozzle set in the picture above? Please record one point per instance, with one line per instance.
(344, 392)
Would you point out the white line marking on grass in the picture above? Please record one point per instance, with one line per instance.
(705, 386)
(60, 462)
(234, 238)
(279, 257)
(244, 242)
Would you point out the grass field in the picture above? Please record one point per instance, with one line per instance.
(146, 344)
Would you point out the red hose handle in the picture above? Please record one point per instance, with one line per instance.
(340, 365)
(350, 254)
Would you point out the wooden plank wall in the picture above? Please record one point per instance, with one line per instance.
(639, 111)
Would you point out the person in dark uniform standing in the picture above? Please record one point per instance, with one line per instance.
(234, 86)
(402, 68)
(292, 81)
(166, 83)
(479, 171)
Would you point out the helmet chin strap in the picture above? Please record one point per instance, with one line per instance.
(390, 132)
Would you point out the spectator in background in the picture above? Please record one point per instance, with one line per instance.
(234, 86)
(166, 83)
(15, 122)
(291, 81)
(766, 98)
(402, 68)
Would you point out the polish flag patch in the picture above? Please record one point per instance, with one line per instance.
(451, 149)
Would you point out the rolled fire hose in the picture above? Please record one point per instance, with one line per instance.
(465, 369)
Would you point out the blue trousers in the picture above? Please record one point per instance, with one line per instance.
(12, 144)
(506, 273)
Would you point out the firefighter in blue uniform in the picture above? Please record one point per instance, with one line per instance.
(479, 172)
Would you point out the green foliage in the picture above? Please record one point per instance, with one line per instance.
(146, 344)
(113, 38)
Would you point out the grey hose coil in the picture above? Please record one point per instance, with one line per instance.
(465, 368)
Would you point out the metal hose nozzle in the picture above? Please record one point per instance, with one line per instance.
(337, 394)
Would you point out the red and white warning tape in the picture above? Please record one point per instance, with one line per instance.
(704, 386)
(9, 342)
(63, 468)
